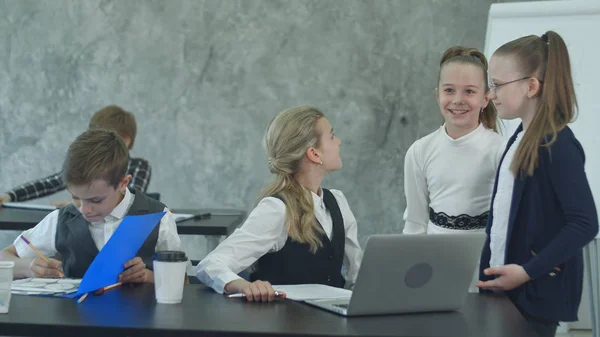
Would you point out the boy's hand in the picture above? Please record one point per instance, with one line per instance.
(136, 272)
(42, 269)
(4, 198)
(508, 277)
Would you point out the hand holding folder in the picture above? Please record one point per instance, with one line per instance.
(120, 248)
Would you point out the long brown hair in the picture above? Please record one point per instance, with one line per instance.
(488, 116)
(546, 58)
(288, 137)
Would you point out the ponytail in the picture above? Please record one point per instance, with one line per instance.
(547, 59)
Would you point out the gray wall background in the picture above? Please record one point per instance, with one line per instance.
(205, 77)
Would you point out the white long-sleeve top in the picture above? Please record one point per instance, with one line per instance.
(264, 232)
(502, 201)
(450, 176)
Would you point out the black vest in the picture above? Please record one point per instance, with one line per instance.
(296, 264)
(76, 247)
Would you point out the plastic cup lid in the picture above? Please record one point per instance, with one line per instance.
(170, 256)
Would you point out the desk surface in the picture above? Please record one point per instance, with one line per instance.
(132, 311)
(222, 222)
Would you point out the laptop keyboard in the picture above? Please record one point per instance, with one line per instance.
(343, 305)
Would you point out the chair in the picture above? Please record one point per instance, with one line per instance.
(155, 196)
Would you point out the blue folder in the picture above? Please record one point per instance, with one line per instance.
(120, 248)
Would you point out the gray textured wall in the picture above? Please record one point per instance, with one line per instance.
(205, 77)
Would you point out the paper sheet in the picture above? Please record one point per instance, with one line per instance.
(44, 286)
(24, 205)
(304, 292)
(182, 216)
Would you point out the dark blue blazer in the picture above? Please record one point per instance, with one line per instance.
(552, 217)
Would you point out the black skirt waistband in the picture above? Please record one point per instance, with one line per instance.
(458, 222)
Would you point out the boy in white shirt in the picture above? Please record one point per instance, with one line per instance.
(95, 173)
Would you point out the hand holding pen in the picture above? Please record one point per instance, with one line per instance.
(259, 291)
(43, 266)
(278, 294)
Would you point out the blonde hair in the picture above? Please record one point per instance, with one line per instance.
(288, 136)
(546, 58)
(458, 54)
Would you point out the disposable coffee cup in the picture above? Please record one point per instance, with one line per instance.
(169, 275)
(6, 277)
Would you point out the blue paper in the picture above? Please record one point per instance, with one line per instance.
(120, 248)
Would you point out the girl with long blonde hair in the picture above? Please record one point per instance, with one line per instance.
(298, 232)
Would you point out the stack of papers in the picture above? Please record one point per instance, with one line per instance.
(45, 286)
(313, 292)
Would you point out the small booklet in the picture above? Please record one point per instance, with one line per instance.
(306, 292)
(44, 286)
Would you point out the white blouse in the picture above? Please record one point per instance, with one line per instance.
(501, 209)
(264, 232)
(450, 176)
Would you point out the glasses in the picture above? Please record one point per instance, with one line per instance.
(494, 86)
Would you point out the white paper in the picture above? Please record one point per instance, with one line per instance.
(29, 206)
(305, 292)
(36, 286)
(182, 216)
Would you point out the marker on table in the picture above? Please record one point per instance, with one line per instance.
(60, 274)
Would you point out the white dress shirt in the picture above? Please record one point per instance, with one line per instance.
(43, 235)
(501, 207)
(454, 176)
(264, 232)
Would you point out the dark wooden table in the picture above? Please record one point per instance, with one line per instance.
(132, 311)
(221, 223)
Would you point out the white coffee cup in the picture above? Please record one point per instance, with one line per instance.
(169, 275)
(6, 277)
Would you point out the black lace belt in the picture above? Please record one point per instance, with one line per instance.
(460, 222)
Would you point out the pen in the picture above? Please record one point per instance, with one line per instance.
(107, 288)
(60, 274)
(82, 298)
(239, 295)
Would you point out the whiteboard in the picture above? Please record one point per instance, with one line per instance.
(578, 22)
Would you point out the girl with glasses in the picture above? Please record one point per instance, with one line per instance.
(542, 212)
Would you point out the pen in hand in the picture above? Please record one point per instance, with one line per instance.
(240, 295)
(41, 256)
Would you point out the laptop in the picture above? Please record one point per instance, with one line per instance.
(411, 273)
